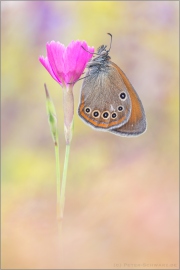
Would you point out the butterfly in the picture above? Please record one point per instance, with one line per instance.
(108, 101)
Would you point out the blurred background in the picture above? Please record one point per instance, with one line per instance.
(121, 209)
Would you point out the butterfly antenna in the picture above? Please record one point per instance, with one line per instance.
(89, 52)
(110, 41)
(78, 79)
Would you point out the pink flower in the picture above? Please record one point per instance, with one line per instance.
(66, 64)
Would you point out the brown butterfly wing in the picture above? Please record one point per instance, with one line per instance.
(100, 93)
(136, 124)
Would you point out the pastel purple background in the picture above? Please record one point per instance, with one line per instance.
(121, 207)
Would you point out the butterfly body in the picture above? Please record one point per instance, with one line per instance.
(108, 100)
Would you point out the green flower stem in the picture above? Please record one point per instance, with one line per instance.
(58, 180)
(63, 185)
(68, 107)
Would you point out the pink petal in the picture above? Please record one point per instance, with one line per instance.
(55, 52)
(75, 59)
(66, 64)
(70, 56)
(83, 58)
(45, 63)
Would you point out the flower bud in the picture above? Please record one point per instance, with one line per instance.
(52, 119)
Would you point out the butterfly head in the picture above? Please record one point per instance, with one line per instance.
(102, 53)
(101, 58)
(102, 49)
